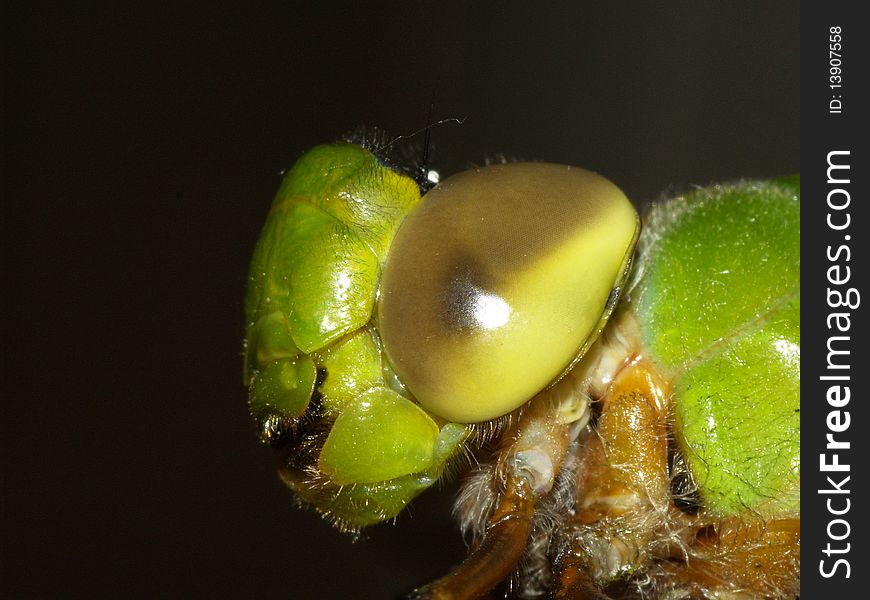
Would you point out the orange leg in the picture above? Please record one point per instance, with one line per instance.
(526, 471)
(623, 486)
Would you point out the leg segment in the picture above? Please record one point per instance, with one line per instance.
(623, 485)
(525, 472)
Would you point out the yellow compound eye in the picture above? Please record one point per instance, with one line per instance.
(499, 280)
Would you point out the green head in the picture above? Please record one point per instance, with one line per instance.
(380, 324)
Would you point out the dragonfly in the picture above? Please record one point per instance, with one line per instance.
(621, 394)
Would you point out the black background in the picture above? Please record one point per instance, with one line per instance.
(141, 150)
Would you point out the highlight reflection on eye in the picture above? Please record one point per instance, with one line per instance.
(490, 311)
(467, 305)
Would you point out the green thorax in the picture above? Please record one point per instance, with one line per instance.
(717, 300)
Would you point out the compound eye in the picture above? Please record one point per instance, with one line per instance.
(498, 281)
